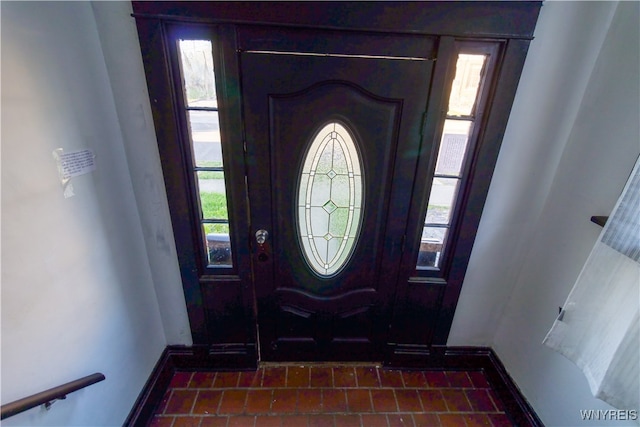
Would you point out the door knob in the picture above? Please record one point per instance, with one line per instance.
(261, 236)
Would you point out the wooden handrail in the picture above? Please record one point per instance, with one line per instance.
(48, 396)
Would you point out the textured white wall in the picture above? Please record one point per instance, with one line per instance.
(121, 50)
(568, 37)
(77, 291)
(572, 141)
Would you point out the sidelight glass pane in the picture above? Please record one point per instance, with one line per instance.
(218, 244)
(213, 195)
(431, 246)
(330, 199)
(442, 200)
(205, 137)
(196, 61)
(453, 147)
(465, 86)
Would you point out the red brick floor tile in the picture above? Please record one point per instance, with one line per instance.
(250, 378)
(367, 376)
(477, 420)
(500, 420)
(318, 420)
(391, 378)
(458, 379)
(284, 401)
(432, 400)
(217, 421)
(207, 402)
(321, 376)
(233, 402)
(344, 376)
(384, 400)
(452, 420)
(347, 421)
(295, 420)
(325, 396)
(161, 421)
(259, 401)
(374, 420)
(359, 400)
(408, 400)
(242, 421)
(426, 420)
(436, 379)
(400, 420)
(187, 422)
(181, 402)
(202, 380)
(480, 400)
(275, 377)
(414, 379)
(478, 379)
(309, 401)
(298, 376)
(456, 400)
(180, 379)
(226, 379)
(334, 400)
(269, 421)
(496, 400)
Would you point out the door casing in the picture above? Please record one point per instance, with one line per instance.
(221, 307)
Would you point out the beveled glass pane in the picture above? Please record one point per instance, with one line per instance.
(464, 89)
(213, 195)
(330, 199)
(431, 246)
(196, 62)
(205, 137)
(218, 244)
(441, 200)
(453, 147)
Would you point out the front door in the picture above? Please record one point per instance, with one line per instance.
(326, 166)
(332, 143)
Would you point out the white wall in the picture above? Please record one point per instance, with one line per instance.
(121, 50)
(77, 291)
(568, 151)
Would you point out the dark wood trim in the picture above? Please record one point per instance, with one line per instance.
(181, 358)
(506, 19)
(470, 358)
(153, 391)
(600, 220)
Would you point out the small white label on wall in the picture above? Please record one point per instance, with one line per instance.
(72, 164)
(77, 163)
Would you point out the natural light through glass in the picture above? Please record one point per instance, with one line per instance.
(201, 109)
(330, 199)
(450, 163)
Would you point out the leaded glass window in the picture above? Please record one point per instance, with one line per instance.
(330, 198)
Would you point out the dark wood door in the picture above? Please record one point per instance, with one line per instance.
(303, 313)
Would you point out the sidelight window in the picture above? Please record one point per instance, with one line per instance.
(330, 199)
(201, 113)
(452, 157)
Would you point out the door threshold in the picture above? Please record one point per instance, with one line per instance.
(366, 364)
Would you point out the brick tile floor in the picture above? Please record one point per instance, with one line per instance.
(330, 396)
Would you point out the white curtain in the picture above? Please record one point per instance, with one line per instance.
(598, 328)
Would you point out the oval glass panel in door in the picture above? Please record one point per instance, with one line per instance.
(330, 199)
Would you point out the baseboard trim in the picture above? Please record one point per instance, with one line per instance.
(470, 358)
(201, 358)
(182, 358)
